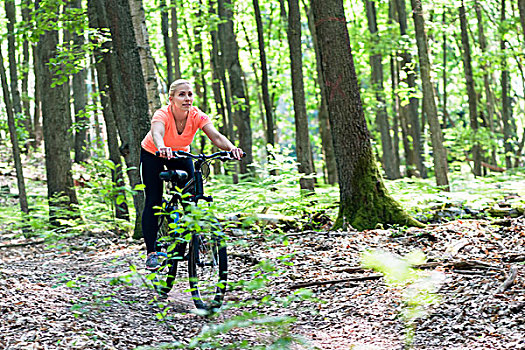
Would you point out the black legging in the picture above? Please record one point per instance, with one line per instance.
(150, 168)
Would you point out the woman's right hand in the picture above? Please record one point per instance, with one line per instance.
(165, 152)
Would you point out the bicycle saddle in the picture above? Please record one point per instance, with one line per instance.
(174, 175)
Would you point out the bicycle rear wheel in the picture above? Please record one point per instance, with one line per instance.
(171, 252)
(208, 270)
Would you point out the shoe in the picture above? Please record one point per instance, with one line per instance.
(152, 261)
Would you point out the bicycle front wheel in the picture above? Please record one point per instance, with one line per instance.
(171, 252)
(208, 270)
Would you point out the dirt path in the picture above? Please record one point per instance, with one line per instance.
(81, 293)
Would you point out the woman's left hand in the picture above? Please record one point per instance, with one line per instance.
(237, 153)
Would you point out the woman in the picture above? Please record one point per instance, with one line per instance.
(173, 128)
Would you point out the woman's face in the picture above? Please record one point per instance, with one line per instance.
(182, 99)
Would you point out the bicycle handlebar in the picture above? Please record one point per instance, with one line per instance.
(217, 155)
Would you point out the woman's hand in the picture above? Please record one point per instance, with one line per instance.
(236, 153)
(165, 152)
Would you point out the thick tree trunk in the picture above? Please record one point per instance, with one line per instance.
(485, 64)
(387, 159)
(394, 78)
(440, 154)
(22, 196)
(175, 40)
(56, 119)
(80, 99)
(410, 111)
(324, 124)
(11, 53)
(364, 199)
(146, 59)
(128, 94)
(241, 105)
(471, 91)
(103, 59)
(302, 138)
(270, 138)
(505, 100)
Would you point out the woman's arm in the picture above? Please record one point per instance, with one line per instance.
(221, 141)
(158, 131)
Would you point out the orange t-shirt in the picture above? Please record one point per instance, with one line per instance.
(196, 120)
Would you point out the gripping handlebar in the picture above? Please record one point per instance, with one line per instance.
(222, 155)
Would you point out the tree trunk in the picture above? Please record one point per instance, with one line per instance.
(26, 106)
(410, 111)
(56, 119)
(22, 196)
(445, 80)
(439, 152)
(128, 94)
(387, 159)
(394, 77)
(165, 28)
(485, 67)
(240, 101)
(471, 91)
(364, 199)
(302, 138)
(324, 124)
(521, 7)
(37, 125)
(146, 59)
(505, 100)
(175, 40)
(270, 138)
(103, 59)
(80, 98)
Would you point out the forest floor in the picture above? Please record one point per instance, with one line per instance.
(69, 295)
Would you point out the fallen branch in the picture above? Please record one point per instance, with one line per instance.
(344, 280)
(22, 244)
(246, 257)
(514, 257)
(490, 166)
(509, 281)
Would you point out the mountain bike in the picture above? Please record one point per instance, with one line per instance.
(182, 225)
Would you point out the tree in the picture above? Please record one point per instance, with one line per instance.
(409, 112)
(270, 138)
(165, 27)
(56, 118)
(388, 158)
(471, 91)
(14, 139)
(147, 61)
(175, 40)
(364, 199)
(241, 106)
(128, 95)
(302, 138)
(440, 154)
(505, 100)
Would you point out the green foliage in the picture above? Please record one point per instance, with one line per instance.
(419, 289)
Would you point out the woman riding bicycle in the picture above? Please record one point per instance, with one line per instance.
(173, 128)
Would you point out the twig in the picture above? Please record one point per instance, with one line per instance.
(509, 281)
(320, 283)
(23, 244)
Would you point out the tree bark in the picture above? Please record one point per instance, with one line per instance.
(439, 152)
(364, 199)
(445, 80)
(270, 138)
(324, 124)
(128, 95)
(165, 28)
(485, 65)
(505, 100)
(409, 112)
(302, 138)
(146, 59)
(241, 105)
(521, 8)
(56, 119)
(80, 98)
(22, 196)
(26, 106)
(387, 159)
(103, 59)
(471, 91)
(175, 40)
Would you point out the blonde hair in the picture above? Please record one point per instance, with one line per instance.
(175, 84)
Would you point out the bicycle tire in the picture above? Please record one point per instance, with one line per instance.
(166, 243)
(207, 270)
